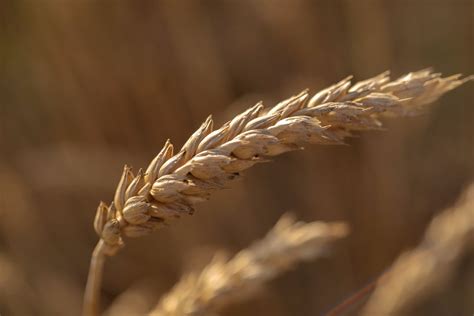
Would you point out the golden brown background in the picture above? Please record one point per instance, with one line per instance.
(86, 86)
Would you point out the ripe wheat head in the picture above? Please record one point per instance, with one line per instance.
(418, 273)
(224, 281)
(173, 183)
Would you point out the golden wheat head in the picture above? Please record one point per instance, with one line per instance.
(224, 281)
(173, 183)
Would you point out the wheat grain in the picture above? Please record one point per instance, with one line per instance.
(225, 281)
(173, 184)
(424, 270)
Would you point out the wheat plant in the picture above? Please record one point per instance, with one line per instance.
(225, 281)
(174, 182)
(419, 273)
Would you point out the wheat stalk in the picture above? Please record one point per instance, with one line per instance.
(225, 281)
(418, 273)
(173, 184)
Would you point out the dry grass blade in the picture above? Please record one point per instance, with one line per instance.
(173, 184)
(420, 272)
(224, 281)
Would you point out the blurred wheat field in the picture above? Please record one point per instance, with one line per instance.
(87, 86)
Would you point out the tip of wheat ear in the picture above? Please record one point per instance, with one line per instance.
(174, 182)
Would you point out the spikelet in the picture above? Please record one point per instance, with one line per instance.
(100, 218)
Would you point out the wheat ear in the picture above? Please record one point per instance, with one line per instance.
(173, 183)
(225, 281)
(418, 273)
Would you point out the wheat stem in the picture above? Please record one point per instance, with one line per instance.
(353, 300)
(94, 281)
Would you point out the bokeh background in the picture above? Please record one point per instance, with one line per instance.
(87, 86)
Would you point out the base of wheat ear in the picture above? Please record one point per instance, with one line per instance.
(173, 183)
